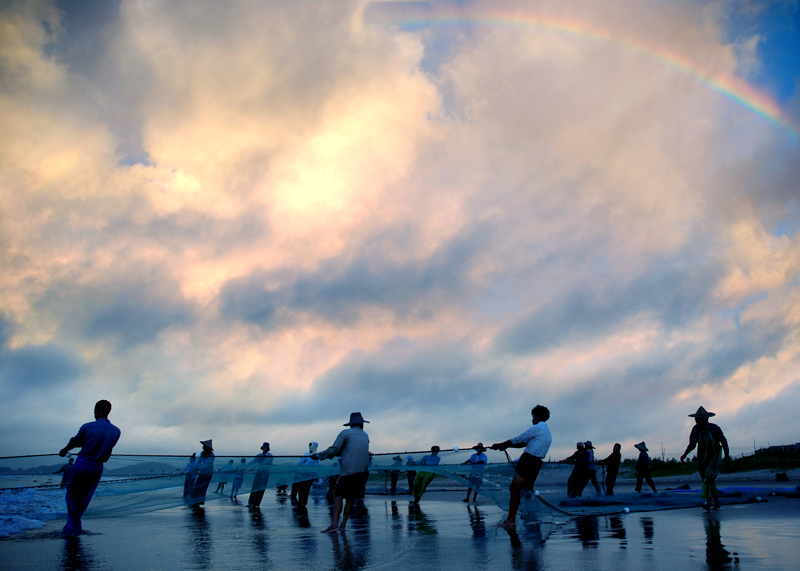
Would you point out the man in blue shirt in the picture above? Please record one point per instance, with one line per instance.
(478, 462)
(96, 440)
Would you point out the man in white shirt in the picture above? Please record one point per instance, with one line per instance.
(353, 446)
(536, 441)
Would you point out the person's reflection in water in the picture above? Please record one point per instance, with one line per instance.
(480, 556)
(588, 531)
(75, 556)
(617, 527)
(347, 555)
(200, 539)
(649, 530)
(359, 517)
(476, 522)
(419, 522)
(301, 515)
(260, 539)
(521, 558)
(717, 557)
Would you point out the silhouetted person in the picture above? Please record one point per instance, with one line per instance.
(477, 464)
(205, 471)
(592, 468)
(423, 479)
(711, 444)
(263, 465)
(353, 447)
(304, 480)
(96, 441)
(66, 473)
(536, 440)
(612, 462)
(579, 476)
(643, 467)
(190, 471)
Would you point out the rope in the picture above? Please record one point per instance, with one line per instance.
(184, 455)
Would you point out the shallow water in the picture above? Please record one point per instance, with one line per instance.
(388, 533)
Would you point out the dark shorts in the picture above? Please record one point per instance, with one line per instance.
(352, 486)
(528, 467)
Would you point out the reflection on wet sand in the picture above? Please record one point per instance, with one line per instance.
(200, 543)
(419, 522)
(75, 556)
(717, 557)
(260, 537)
(617, 528)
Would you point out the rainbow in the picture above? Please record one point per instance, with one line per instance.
(421, 15)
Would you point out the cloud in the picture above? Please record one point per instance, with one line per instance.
(254, 218)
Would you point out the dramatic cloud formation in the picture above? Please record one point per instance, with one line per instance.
(244, 220)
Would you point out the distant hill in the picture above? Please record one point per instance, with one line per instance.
(143, 469)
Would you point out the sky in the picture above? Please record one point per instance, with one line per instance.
(245, 220)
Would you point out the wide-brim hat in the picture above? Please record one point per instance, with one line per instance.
(355, 418)
(397, 458)
(641, 446)
(265, 445)
(702, 413)
(588, 444)
(435, 448)
(480, 447)
(207, 443)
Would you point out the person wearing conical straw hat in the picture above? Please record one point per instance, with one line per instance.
(205, 471)
(711, 444)
(643, 468)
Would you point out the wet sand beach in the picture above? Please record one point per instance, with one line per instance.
(387, 532)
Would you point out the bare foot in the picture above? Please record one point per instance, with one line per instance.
(331, 529)
(507, 523)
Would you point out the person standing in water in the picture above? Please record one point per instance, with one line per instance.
(96, 441)
(711, 444)
(353, 447)
(536, 441)
(263, 465)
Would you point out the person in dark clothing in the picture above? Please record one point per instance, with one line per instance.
(205, 471)
(612, 463)
(580, 471)
(643, 468)
(96, 440)
(711, 444)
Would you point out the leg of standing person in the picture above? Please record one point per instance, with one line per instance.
(303, 489)
(85, 477)
(611, 479)
(650, 482)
